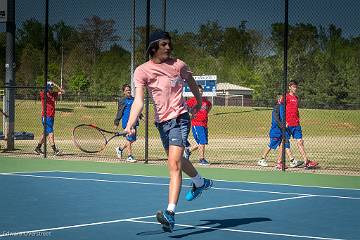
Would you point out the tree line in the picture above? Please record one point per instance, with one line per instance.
(321, 59)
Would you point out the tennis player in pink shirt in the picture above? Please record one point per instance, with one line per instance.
(164, 77)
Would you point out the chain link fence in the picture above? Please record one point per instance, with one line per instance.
(241, 42)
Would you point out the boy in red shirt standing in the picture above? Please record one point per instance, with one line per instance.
(51, 96)
(199, 127)
(293, 123)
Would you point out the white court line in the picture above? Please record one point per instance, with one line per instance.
(242, 231)
(166, 184)
(218, 180)
(85, 179)
(144, 217)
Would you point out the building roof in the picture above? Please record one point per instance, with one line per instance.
(230, 86)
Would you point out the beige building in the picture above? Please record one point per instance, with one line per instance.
(228, 94)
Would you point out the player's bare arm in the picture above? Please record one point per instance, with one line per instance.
(59, 89)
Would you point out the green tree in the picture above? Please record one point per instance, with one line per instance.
(111, 71)
(79, 83)
(97, 34)
(210, 37)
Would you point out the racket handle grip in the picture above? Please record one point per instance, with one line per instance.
(121, 134)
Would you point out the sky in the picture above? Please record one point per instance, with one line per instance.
(187, 15)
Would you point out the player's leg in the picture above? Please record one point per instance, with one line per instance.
(262, 162)
(279, 157)
(297, 134)
(266, 152)
(300, 144)
(275, 140)
(293, 162)
(194, 148)
(51, 135)
(169, 131)
(38, 150)
(51, 138)
(174, 165)
(196, 138)
(203, 141)
(202, 151)
(199, 184)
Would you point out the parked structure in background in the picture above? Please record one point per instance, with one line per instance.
(228, 94)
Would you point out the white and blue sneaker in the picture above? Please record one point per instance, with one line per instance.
(167, 220)
(119, 152)
(131, 159)
(196, 191)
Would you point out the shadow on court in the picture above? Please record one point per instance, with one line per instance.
(214, 225)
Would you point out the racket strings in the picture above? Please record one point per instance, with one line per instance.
(89, 139)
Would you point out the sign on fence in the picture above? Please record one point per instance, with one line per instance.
(207, 81)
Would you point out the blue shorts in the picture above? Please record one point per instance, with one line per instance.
(175, 131)
(296, 132)
(275, 135)
(276, 141)
(200, 134)
(49, 124)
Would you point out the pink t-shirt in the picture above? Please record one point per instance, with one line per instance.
(165, 85)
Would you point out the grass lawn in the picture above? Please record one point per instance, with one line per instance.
(237, 135)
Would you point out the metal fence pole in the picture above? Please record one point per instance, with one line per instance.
(9, 105)
(284, 85)
(147, 93)
(46, 70)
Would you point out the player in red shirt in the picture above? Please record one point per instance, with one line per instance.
(199, 127)
(293, 122)
(52, 94)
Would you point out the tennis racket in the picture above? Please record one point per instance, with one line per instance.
(92, 139)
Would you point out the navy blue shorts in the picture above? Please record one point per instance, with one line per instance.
(175, 131)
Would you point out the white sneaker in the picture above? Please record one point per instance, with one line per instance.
(263, 163)
(131, 159)
(296, 163)
(119, 152)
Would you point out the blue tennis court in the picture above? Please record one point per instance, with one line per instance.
(74, 205)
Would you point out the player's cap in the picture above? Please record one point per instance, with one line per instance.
(50, 85)
(155, 37)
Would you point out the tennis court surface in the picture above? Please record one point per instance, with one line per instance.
(85, 205)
